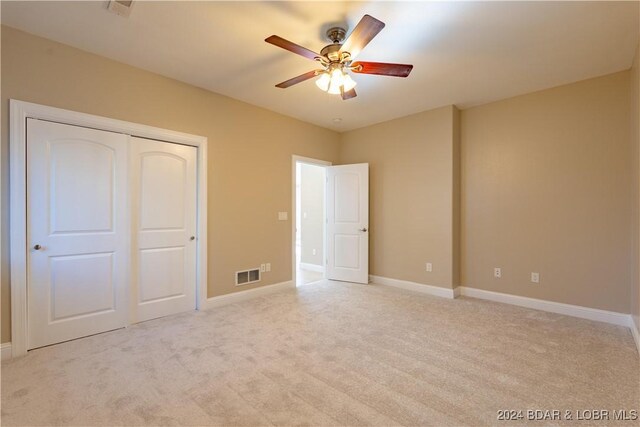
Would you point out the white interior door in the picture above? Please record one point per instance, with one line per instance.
(77, 231)
(348, 223)
(164, 185)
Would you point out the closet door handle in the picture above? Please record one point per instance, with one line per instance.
(364, 230)
(37, 247)
(192, 238)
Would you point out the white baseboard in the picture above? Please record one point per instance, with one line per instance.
(5, 351)
(413, 286)
(456, 291)
(246, 295)
(311, 267)
(636, 333)
(612, 317)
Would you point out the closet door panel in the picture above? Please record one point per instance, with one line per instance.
(78, 232)
(164, 217)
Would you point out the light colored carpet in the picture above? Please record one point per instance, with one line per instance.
(328, 354)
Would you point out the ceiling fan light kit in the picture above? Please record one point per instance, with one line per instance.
(334, 79)
(337, 58)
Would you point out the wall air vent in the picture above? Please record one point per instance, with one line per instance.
(247, 276)
(121, 7)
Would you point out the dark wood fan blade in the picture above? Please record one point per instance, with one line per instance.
(348, 94)
(382, 68)
(296, 80)
(291, 47)
(362, 34)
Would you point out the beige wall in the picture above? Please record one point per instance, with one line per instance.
(312, 213)
(411, 194)
(547, 187)
(635, 137)
(250, 148)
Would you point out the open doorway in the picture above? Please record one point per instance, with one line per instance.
(309, 220)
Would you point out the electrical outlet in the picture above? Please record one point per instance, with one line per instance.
(497, 272)
(429, 267)
(313, 251)
(283, 216)
(268, 267)
(535, 277)
(262, 268)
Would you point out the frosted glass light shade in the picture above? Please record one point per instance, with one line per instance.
(337, 77)
(348, 83)
(323, 82)
(334, 87)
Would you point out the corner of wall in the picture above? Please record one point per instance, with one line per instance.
(456, 195)
(635, 138)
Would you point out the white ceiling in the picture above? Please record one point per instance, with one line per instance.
(464, 53)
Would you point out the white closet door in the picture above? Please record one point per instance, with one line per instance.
(77, 231)
(164, 248)
(348, 222)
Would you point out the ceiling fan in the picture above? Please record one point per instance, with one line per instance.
(337, 59)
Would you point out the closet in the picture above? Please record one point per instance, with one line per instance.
(111, 224)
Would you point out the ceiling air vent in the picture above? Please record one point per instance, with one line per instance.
(247, 276)
(121, 7)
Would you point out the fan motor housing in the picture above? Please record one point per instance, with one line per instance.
(332, 52)
(336, 34)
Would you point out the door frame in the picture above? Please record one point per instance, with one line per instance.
(19, 112)
(295, 159)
